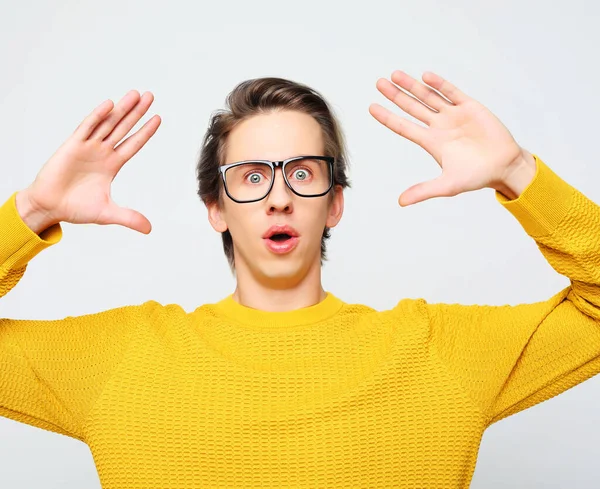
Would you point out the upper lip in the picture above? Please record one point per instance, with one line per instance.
(280, 229)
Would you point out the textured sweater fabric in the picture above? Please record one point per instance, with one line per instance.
(330, 395)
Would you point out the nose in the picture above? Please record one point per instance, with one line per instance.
(280, 196)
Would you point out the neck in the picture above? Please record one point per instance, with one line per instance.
(276, 295)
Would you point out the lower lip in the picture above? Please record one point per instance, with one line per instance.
(282, 246)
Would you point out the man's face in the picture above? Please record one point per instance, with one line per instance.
(276, 136)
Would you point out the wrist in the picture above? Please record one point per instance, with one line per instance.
(518, 175)
(35, 218)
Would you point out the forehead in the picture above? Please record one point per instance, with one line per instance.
(274, 136)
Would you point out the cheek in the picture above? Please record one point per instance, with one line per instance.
(315, 219)
(243, 225)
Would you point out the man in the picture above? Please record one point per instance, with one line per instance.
(282, 383)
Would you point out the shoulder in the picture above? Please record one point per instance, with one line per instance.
(405, 311)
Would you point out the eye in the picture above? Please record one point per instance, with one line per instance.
(301, 174)
(254, 177)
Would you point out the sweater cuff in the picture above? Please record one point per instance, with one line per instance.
(544, 202)
(18, 243)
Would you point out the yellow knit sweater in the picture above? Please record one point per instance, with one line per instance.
(331, 395)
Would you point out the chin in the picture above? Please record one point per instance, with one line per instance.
(281, 270)
(281, 273)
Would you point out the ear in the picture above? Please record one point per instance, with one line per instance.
(216, 218)
(336, 207)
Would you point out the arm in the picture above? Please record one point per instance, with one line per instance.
(509, 358)
(53, 371)
(506, 358)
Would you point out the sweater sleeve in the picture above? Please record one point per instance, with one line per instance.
(508, 358)
(52, 371)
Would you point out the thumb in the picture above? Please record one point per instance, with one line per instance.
(128, 218)
(441, 186)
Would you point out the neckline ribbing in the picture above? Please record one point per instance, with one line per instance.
(329, 306)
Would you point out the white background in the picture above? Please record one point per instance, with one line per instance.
(531, 62)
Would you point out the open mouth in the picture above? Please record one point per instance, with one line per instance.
(281, 243)
(280, 237)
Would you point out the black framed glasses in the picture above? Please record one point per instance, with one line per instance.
(252, 180)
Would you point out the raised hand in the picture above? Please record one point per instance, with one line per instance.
(473, 148)
(74, 184)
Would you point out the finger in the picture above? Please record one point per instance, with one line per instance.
(137, 140)
(445, 87)
(422, 92)
(438, 187)
(405, 128)
(130, 120)
(129, 218)
(88, 124)
(127, 103)
(408, 104)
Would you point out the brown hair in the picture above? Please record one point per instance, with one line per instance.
(260, 96)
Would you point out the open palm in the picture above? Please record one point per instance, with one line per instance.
(471, 145)
(74, 184)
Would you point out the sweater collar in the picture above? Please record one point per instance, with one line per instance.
(321, 311)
